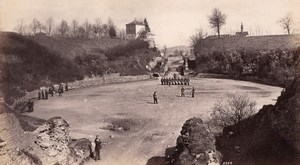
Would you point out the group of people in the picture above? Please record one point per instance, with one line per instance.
(174, 81)
(61, 89)
(182, 94)
(43, 94)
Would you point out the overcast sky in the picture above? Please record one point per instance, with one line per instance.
(172, 21)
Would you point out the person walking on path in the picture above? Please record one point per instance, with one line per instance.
(98, 147)
(182, 92)
(155, 97)
(193, 92)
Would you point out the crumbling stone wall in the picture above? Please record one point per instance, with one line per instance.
(49, 144)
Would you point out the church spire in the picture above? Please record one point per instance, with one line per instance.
(242, 27)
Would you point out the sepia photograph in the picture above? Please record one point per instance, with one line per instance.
(149, 82)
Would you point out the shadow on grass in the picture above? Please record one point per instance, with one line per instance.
(162, 160)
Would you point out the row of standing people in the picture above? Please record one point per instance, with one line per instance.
(182, 94)
(44, 93)
(175, 81)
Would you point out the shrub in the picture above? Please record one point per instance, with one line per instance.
(232, 111)
(126, 50)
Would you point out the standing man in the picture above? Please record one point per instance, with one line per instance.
(98, 147)
(182, 92)
(51, 91)
(193, 92)
(39, 95)
(30, 105)
(60, 91)
(155, 97)
(66, 87)
(43, 94)
(46, 94)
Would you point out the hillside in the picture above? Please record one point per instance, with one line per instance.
(70, 47)
(269, 137)
(266, 59)
(28, 63)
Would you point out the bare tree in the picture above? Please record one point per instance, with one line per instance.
(217, 19)
(34, 26)
(20, 27)
(236, 108)
(97, 27)
(197, 36)
(104, 30)
(40, 27)
(287, 23)
(112, 29)
(49, 26)
(74, 28)
(88, 28)
(63, 28)
(122, 34)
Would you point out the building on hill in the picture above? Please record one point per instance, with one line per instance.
(137, 30)
(242, 33)
(134, 28)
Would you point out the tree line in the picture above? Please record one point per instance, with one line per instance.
(73, 29)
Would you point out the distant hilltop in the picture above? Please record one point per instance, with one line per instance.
(269, 42)
(183, 48)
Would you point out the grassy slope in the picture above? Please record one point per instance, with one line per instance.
(70, 47)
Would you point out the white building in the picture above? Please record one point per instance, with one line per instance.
(135, 28)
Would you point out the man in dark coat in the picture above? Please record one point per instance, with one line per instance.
(66, 87)
(30, 105)
(98, 147)
(43, 94)
(182, 92)
(46, 94)
(51, 91)
(193, 92)
(39, 95)
(155, 97)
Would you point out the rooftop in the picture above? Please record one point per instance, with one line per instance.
(135, 22)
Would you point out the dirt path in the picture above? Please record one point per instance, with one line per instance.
(154, 127)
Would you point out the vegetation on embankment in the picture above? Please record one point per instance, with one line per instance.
(267, 59)
(26, 64)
